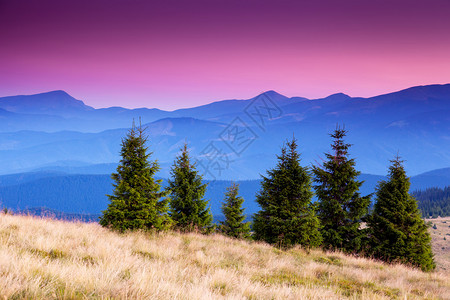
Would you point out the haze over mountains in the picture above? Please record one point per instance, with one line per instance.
(54, 130)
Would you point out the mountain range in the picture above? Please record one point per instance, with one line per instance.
(230, 139)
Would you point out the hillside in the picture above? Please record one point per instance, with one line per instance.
(440, 235)
(434, 202)
(86, 193)
(43, 258)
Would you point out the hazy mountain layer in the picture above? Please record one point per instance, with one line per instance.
(232, 139)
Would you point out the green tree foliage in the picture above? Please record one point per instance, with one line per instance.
(136, 202)
(396, 230)
(340, 205)
(234, 224)
(189, 210)
(287, 216)
(434, 202)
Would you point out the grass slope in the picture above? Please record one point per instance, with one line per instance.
(44, 258)
(440, 236)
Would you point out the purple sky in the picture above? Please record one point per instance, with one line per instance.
(172, 54)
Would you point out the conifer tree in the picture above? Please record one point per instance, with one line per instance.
(234, 224)
(136, 202)
(397, 231)
(287, 216)
(188, 210)
(341, 207)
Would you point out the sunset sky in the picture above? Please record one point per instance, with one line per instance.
(171, 54)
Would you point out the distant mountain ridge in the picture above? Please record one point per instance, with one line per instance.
(52, 103)
(73, 114)
(49, 129)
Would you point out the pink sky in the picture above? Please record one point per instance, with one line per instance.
(172, 54)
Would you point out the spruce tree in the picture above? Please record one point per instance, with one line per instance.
(341, 207)
(188, 210)
(234, 224)
(397, 231)
(136, 202)
(287, 216)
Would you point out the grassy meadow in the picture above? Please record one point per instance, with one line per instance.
(51, 259)
(440, 235)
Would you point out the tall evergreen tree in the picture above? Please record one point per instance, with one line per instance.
(234, 224)
(189, 210)
(340, 205)
(396, 229)
(136, 202)
(287, 216)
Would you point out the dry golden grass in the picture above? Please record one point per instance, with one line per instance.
(44, 258)
(441, 242)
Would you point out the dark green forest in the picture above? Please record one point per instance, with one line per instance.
(86, 194)
(434, 202)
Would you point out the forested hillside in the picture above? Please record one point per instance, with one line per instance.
(434, 202)
(86, 194)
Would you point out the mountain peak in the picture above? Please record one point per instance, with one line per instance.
(54, 102)
(420, 93)
(56, 92)
(272, 93)
(338, 96)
